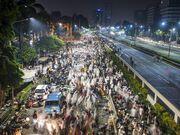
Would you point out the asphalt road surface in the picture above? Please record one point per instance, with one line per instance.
(164, 77)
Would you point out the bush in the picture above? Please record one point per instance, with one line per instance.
(167, 123)
(49, 43)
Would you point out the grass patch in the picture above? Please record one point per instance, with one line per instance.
(24, 94)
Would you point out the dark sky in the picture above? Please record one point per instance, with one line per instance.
(121, 9)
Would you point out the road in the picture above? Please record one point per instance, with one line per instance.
(162, 50)
(78, 103)
(151, 46)
(164, 77)
(96, 98)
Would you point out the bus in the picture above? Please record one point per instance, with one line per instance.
(53, 103)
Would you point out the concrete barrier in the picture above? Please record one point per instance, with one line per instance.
(153, 89)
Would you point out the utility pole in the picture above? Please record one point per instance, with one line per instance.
(170, 40)
(135, 33)
(20, 35)
(20, 31)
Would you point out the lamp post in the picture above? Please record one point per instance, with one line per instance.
(20, 31)
(172, 31)
(135, 32)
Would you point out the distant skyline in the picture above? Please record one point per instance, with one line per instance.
(121, 9)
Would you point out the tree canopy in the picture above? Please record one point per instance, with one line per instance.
(27, 54)
(10, 73)
(49, 43)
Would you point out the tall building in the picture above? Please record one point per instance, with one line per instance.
(140, 17)
(170, 10)
(153, 15)
(107, 13)
(98, 16)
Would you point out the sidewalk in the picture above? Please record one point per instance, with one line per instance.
(30, 74)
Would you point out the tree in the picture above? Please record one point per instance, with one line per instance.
(10, 73)
(49, 43)
(27, 55)
(66, 19)
(80, 20)
(31, 9)
(56, 16)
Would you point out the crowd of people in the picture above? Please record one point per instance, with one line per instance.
(90, 79)
(80, 67)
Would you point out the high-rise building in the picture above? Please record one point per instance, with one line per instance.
(107, 13)
(170, 10)
(140, 17)
(98, 16)
(153, 15)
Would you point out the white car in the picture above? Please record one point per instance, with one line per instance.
(41, 91)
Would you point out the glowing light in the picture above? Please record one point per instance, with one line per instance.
(121, 32)
(98, 9)
(60, 24)
(35, 23)
(112, 33)
(31, 42)
(163, 23)
(173, 29)
(75, 26)
(117, 27)
(27, 119)
(112, 28)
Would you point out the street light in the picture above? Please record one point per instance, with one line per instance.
(20, 30)
(141, 26)
(23, 20)
(75, 26)
(60, 24)
(174, 29)
(163, 23)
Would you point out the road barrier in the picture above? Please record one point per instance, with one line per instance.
(153, 89)
(115, 114)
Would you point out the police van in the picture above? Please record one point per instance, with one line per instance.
(53, 103)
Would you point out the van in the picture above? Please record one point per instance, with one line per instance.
(41, 91)
(53, 103)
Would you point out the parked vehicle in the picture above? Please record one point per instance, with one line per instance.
(41, 91)
(53, 103)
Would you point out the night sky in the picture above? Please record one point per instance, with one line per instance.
(121, 9)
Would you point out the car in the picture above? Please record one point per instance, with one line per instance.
(41, 91)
